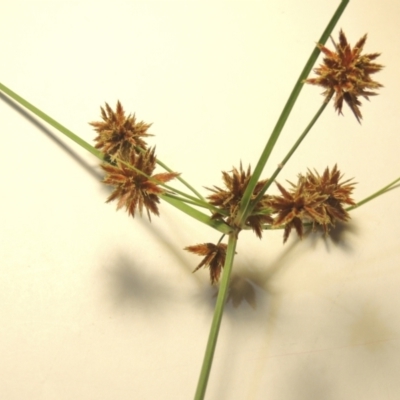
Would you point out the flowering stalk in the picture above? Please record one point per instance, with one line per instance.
(186, 197)
(285, 114)
(216, 322)
(374, 195)
(192, 212)
(316, 200)
(180, 179)
(289, 154)
(196, 214)
(52, 122)
(346, 73)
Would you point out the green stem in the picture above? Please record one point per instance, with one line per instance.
(202, 217)
(199, 203)
(162, 184)
(179, 178)
(52, 122)
(373, 196)
(196, 214)
(220, 239)
(284, 116)
(216, 322)
(183, 181)
(288, 155)
(188, 201)
(76, 138)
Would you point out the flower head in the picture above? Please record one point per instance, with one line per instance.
(346, 74)
(135, 186)
(337, 194)
(228, 200)
(214, 258)
(295, 206)
(316, 199)
(118, 134)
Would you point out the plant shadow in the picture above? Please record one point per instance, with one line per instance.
(131, 286)
(250, 284)
(339, 236)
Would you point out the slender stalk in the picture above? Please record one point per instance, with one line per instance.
(80, 141)
(199, 203)
(183, 181)
(218, 225)
(288, 155)
(72, 135)
(179, 178)
(188, 201)
(52, 122)
(196, 214)
(285, 114)
(220, 239)
(216, 322)
(374, 195)
(164, 185)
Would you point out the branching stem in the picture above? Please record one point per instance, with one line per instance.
(374, 195)
(288, 155)
(216, 322)
(285, 114)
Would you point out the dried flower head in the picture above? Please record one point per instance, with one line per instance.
(136, 187)
(338, 193)
(214, 258)
(228, 200)
(346, 73)
(295, 206)
(317, 199)
(119, 134)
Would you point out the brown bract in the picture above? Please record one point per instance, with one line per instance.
(295, 206)
(228, 200)
(214, 258)
(118, 134)
(316, 199)
(346, 74)
(135, 186)
(337, 194)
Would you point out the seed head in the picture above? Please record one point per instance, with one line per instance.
(294, 206)
(346, 74)
(316, 199)
(135, 186)
(337, 194)
(119, 134)
(228, 200)
(214, 258)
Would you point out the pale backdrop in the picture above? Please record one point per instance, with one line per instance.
(98, 306)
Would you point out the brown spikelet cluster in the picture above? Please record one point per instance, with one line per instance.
(135, 185)
(118, 133)
(214, 258)
(131, 164)
(316, 199)
(346, 74)
(228, 200)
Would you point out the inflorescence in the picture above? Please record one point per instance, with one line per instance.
(317, 200)
(346, 74)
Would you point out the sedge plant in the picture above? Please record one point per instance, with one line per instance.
(316, 200)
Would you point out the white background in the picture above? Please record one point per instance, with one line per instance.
(96, 305)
